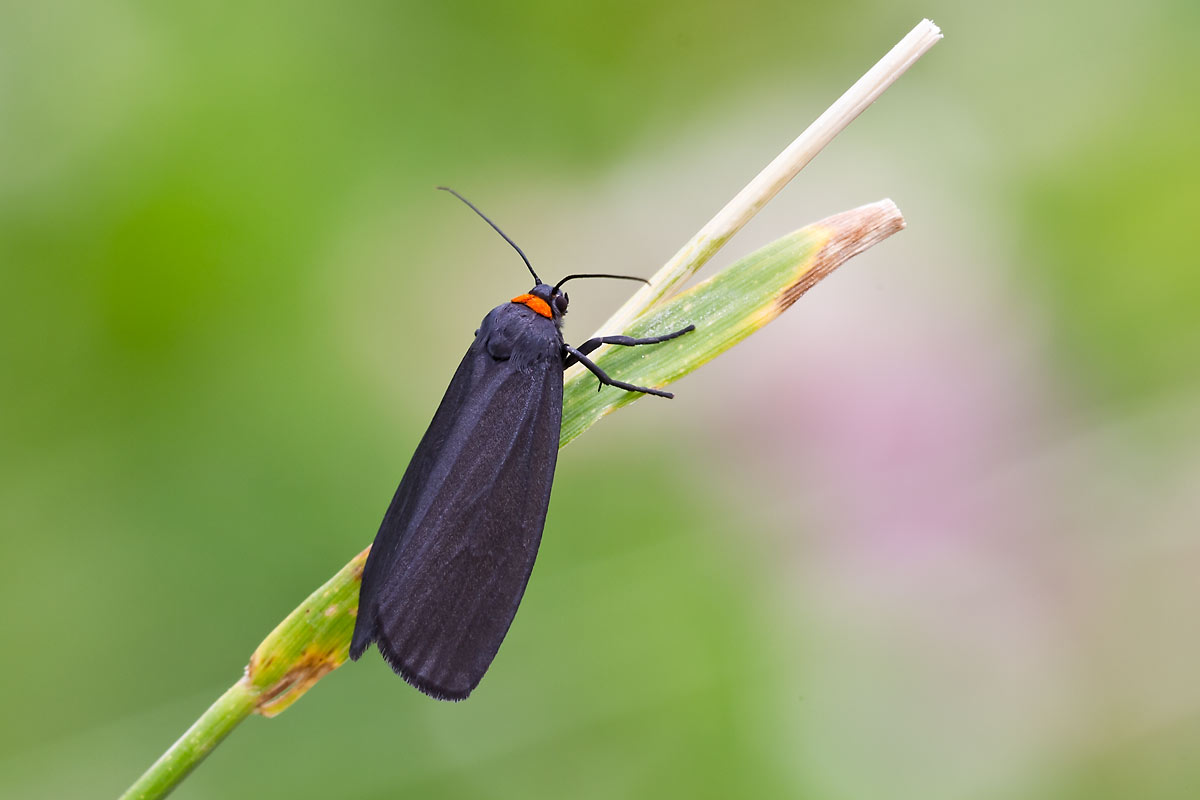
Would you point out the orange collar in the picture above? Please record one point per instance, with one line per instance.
(537, 304)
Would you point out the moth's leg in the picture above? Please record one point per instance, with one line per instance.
(607, 381)
(627, 341)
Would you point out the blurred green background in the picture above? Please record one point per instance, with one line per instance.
(931, 535)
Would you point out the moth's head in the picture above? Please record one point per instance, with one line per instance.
(555, 298)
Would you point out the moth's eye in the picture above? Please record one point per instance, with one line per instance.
(560, 303)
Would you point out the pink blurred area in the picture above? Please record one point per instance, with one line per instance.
(1002, 580)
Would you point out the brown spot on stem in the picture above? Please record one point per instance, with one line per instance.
(310, 668)
(851, 232)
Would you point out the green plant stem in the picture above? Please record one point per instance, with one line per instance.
(309, 643)
(190, 749)
(314, 639)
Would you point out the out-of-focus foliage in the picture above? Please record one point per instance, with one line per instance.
(1118, 245)
(919, 538)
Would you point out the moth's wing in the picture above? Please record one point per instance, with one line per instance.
(456, 547)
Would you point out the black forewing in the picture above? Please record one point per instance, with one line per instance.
(456, 547)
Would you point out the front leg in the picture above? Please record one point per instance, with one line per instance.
(627, 341)
(577, 355)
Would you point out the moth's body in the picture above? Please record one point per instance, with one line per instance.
(439, 607)
(457, 544)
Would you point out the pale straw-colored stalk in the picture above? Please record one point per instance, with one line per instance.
(785, 166)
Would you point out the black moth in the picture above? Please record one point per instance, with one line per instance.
(457, 544)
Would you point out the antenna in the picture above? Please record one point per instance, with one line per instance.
(601, 275)
(497, 229)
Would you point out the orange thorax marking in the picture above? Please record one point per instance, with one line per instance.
(538, 305)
